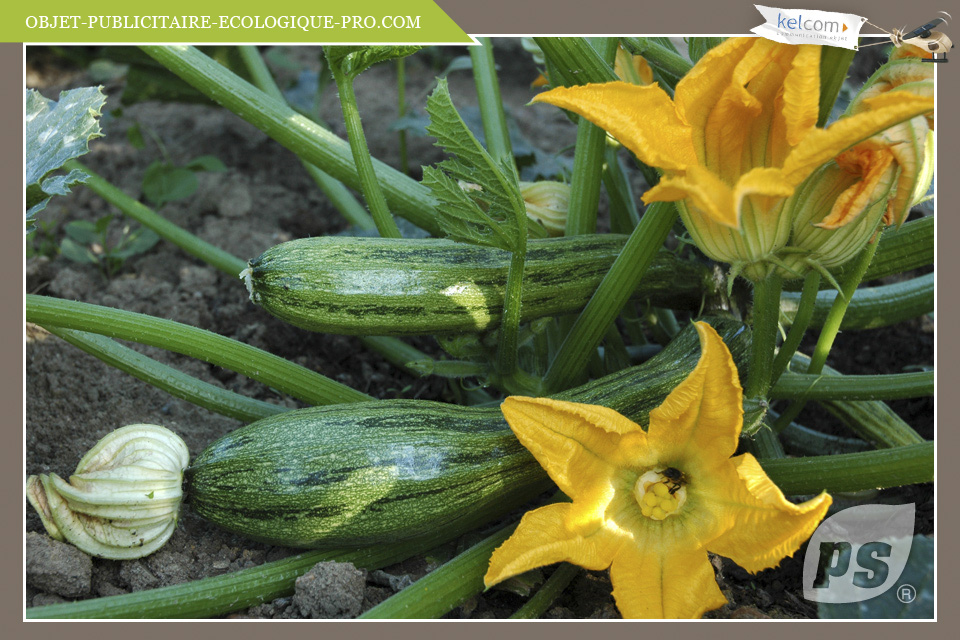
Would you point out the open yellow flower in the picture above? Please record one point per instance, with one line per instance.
(736, 140)
(650, 504)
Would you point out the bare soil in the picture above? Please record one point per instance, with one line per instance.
(265, 198)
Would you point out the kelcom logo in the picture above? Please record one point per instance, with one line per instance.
(799, 24)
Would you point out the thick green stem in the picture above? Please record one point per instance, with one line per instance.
(369, 185)
(336, 192)
(831, 326)
(575, 62)
(658, 55)
(510, 325)
(881, 469)
(588, 165)
(494, 119)
(766, 316)
(190, 243)
(548, 593)
(304, 137)
(176, 383)
(446, 588)
(610, 297)
(871, 420)
(893, 386)
(800, 323)
(274, 371)
(395, 351)
(870, 307)
(834, 64)
(624, 214)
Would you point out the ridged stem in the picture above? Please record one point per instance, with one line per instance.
(658, 55)
(507, 345)
(870, 307)
(176, 383)
(341, 198)
(274, 371)
(766, 316)
(395, 351)
(494, 119)
(893, 386)
(609, 298)
(811, 284)
(831, 326)
(445, 588)
(881, 469)
(588, 165)
(369, 185)
(305, 138)
(216, 257)
(537, 605)
(834, 64)
(574, 61)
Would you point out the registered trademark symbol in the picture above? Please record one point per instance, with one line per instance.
(906, 593)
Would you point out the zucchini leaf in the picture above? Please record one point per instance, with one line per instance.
(54, 133)
(354, 60)
(479, 197)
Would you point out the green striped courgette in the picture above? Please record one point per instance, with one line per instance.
(384, 471)
(383, 286)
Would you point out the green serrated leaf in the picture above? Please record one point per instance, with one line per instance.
(212, 164)
(353, 60)
(55, 132)
(915, 582)
(479, 197)
(164, 182)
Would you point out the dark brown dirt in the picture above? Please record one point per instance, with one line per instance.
(265, 198)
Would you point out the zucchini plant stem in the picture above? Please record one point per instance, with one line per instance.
(610, 297)
(831, 327)
(274, 371)
(167, 230)
(892, 386)
(811, 284)
(336, 192)
(369, 185)
(304, 137)
(495, 132)
(535, 607)
(507, 346)
(766, 315)
(176, 383)
(588, 161)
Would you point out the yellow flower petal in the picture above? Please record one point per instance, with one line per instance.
(701, 88)
(699, 423)
(822, 145)
(766, 527)
(643, 119)
(575, 443)
(650, 582)
(543, 538)
(801, 93)
(872, 165)
(709, 195)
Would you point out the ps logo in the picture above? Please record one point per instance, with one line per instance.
(858, 553)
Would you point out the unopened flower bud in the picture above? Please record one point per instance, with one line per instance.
(547, 203)
(123, 500)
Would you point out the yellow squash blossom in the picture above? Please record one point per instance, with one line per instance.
(651, 504)
(736, 140)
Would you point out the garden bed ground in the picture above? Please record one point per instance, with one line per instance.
(265, 198)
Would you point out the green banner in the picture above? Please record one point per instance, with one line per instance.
(347, 21)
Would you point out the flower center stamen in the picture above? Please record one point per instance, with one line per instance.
(660, 492)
